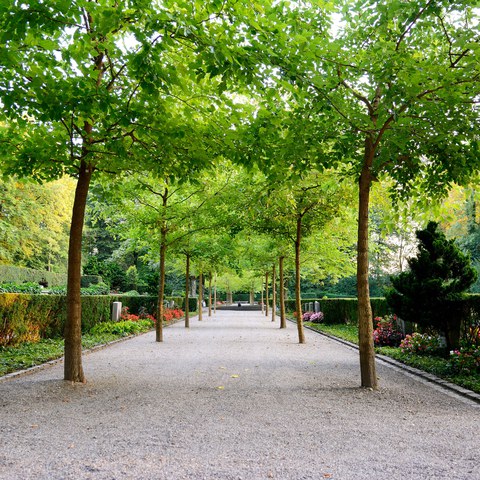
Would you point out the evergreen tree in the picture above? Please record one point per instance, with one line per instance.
(430, 293)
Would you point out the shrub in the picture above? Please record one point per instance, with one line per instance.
(132, 293)
(170, 314)
(422, 344)
(123, 328)
(27, 287)
(317, 317)
(89, 280)
(466, 360)
(94, 289)
(142, 315)
(387, 333)
(306, 316)
(431, 292)
(18, 275)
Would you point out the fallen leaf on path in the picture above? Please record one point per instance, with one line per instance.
(221, 387)
(235, 375)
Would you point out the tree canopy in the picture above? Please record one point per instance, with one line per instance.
(363, 90)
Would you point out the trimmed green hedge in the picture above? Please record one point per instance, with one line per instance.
(11, 274)
(29, 317)
(342, 310)
(25, 317)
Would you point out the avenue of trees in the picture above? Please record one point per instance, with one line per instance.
(203, 122)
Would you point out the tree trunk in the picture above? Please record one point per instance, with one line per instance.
(283, 317)
(200, 297)
(262, 299)
(187, 291)
(298, 300)
(274, 293)
(215, 295)
(365, 320)
(266, 294)
(252, 297)
(73, 370)
(161, 290)
(161, 279)
(210, 294)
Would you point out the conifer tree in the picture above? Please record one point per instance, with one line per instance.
(430, 293)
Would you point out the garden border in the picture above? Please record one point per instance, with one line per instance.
(41, 366)
(464, 392)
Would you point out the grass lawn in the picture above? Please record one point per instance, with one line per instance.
(435, 365)
(28, 355)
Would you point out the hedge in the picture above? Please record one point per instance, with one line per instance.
(25, 317)
(342, 310)
(11, 274)
(29, 317)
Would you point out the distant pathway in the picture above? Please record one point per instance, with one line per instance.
(234, 397)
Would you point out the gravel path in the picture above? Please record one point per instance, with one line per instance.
(237, 398)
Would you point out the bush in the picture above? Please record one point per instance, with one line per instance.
(98, 289)
(387, 333)
(123, 328)
(27, 287)
(317, 317)
(423, 344)
(306, 316)
(170, 314)
(131, 293)
(25, 317)
(18, 275)
(142, 315)
(93, 289)
(431, 292)
(89, 280)
(466, 360)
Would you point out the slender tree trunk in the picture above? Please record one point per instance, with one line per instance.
(187, 291)
(200, 297)
(252, 297)
(262, 299)
(274, 293)
(73, 370)
(210, 294)
(365, 321)
(161, 280)
(283, 316)
(298, 300)
(215, 295)
(266, 294)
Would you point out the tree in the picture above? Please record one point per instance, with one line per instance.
(91, 87)
(293, 210)
(397, 81)
(34, 221)
(431, 292)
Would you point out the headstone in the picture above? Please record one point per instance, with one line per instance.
(317, 306)
(310, 306)
(116, 311)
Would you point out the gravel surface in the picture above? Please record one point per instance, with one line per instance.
(234, 398)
